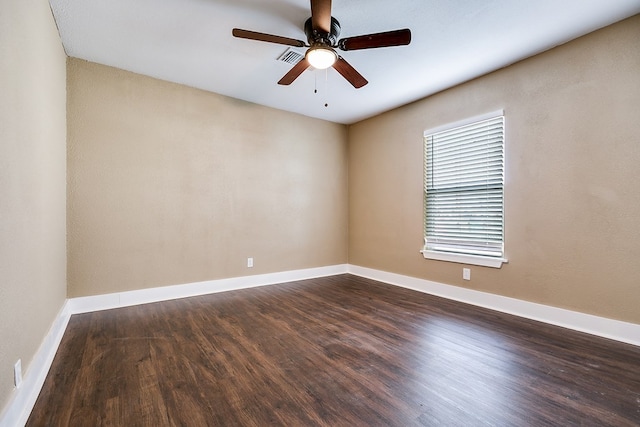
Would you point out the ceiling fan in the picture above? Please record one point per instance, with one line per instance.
(322, 31)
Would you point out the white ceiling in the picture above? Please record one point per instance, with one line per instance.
(190, 42)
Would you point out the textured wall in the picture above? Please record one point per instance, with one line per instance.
(572, 173)
(171, 185)
(32, 182)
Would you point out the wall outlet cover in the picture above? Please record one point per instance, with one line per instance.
(17, 373)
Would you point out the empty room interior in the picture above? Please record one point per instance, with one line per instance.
(185, 239)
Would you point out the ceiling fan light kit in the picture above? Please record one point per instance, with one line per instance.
(320, 57)
(322, 31)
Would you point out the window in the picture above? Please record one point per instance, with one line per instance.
(463, 192)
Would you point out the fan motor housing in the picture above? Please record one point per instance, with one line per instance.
(315, 37)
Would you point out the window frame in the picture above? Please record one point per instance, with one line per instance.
(465, 258)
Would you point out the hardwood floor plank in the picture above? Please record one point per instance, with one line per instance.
(335, 351)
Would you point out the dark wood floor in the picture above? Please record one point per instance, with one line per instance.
(338, 351)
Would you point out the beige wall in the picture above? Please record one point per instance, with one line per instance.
(572, 174)
(171, 185)
(32, 182)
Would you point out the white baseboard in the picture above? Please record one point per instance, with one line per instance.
(165, 293)
(594, 325)
(17, 412)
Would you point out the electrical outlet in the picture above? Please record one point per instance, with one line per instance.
(17, 373)
(466, 273)
(249, 262)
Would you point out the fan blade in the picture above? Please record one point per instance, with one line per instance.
(253, 35)
(368, 41)
(349, 73)
(321, 15)
(294, 72)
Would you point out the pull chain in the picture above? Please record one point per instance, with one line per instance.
(326, 87)
(315, 82)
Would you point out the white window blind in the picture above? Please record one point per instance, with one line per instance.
(463, 184)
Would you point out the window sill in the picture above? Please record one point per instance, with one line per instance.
(465, 259)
